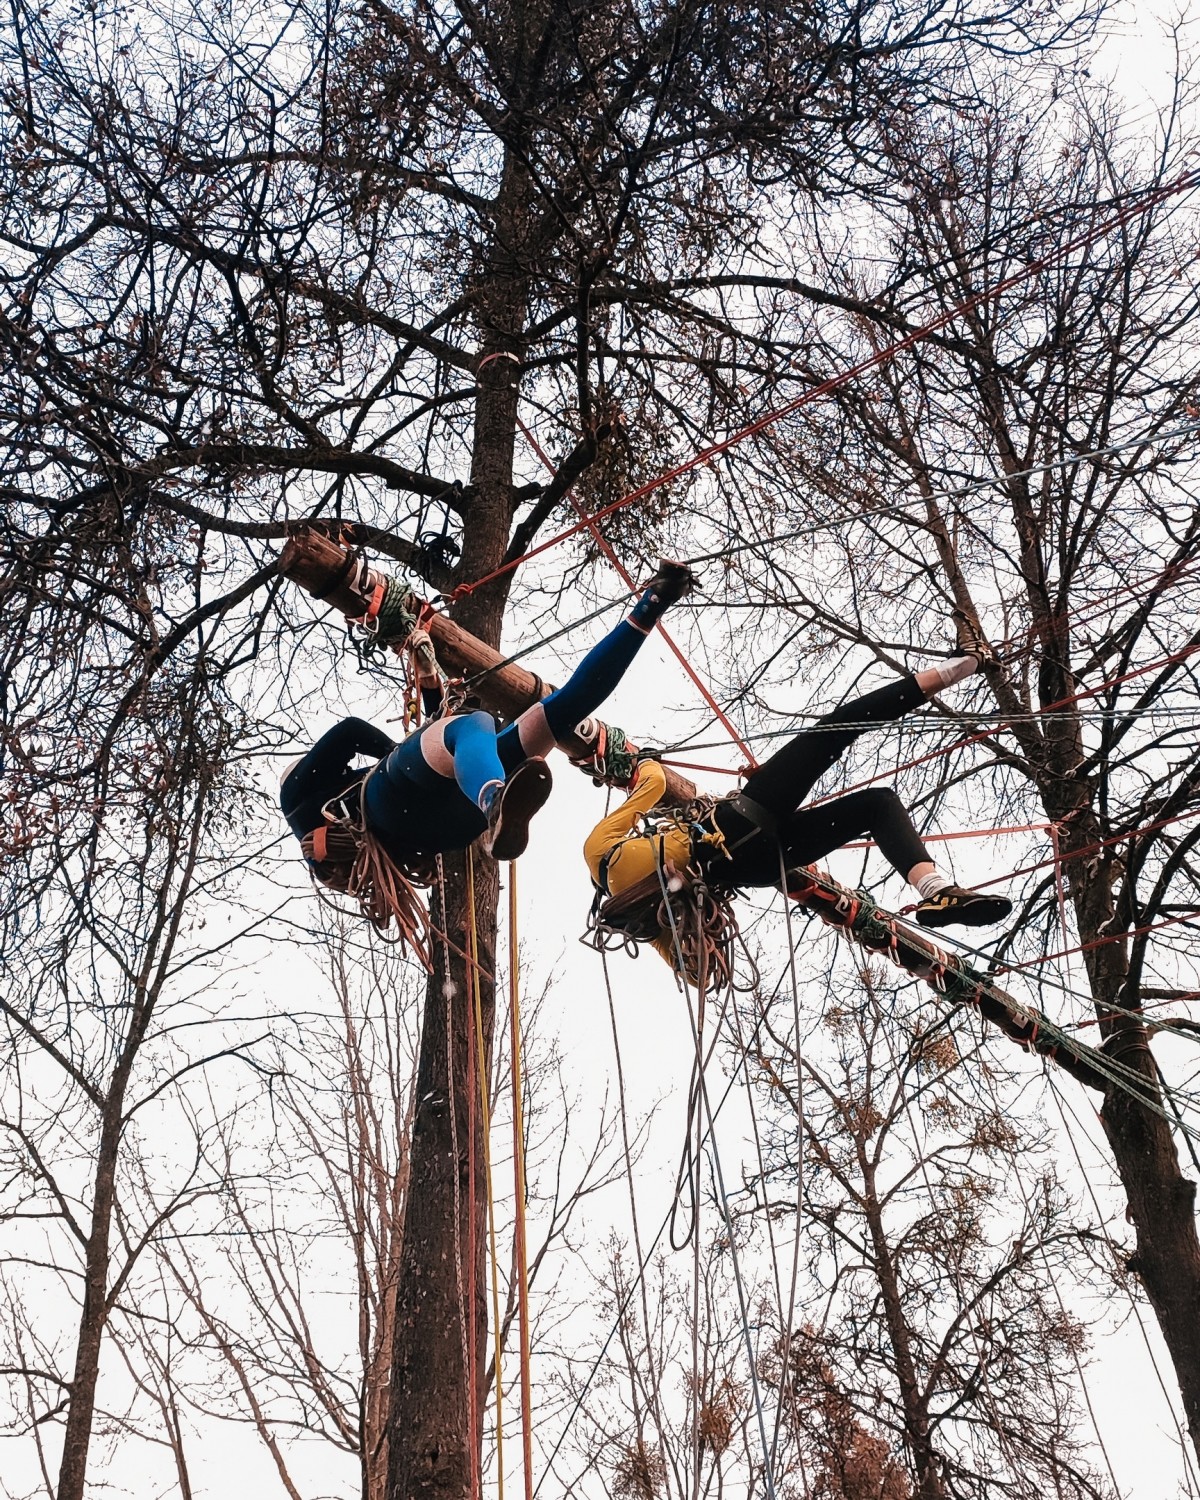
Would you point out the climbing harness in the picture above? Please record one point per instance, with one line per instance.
(701, 910)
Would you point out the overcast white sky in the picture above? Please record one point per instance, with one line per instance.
(658, 703)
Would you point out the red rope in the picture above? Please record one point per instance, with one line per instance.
(1100, 942)
(985, 734)
(1174, 572)
(1083, 853)
(589, 522)
(969, 833)
(1182, 999)
(692, 765)
(627, 579)
(970, 739)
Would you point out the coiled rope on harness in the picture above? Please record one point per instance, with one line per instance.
(386, 892)
(701, 908)
(650, 909)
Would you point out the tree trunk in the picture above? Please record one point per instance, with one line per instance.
(1160, 1199)
(1161, 1207)
(77, 1435)
(441, 1304)
(434, 1434)
(916, 1411)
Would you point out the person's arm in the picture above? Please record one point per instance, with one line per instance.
(429, 679)
(330, 758)
(649, 788)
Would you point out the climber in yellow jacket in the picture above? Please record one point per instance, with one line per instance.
(738, 843)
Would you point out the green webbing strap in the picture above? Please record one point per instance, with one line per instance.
(396, 618)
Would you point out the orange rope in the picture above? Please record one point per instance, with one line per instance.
(486, 1122)
(519, 1186)
(472, 975)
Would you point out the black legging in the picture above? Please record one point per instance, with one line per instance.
(781, 783)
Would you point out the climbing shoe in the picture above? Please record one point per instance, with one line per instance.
(613, 757)
(672, 581)
(957, 906)
(512, 808)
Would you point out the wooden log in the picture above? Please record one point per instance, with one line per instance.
(319, 565)
(880, 932)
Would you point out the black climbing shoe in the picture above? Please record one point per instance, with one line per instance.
(512, 808)
(672, 581)
(958, 906)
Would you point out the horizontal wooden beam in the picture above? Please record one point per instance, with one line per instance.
(879, 931)
(319, 564)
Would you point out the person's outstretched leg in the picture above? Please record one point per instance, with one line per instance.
(541, 727)
(476, 765)
(465, 747)
(782, 782)
(877, 811)
(813, 832)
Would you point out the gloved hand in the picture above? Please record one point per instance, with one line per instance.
(420, 644)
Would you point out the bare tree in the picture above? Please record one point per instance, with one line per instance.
(974, 496)
(304, 264)
(665, 1408)
(936, 1236)
(99, 899)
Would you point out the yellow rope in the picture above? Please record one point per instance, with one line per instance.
(481, 1069)
(514, 1005)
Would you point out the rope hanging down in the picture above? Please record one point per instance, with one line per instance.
(706, 1125)
(475, 1024)
(521, 1254)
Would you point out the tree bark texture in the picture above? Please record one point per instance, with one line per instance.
(433, 1433)
(93, 1316)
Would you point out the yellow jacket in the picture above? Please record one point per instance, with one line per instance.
(632, 859)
